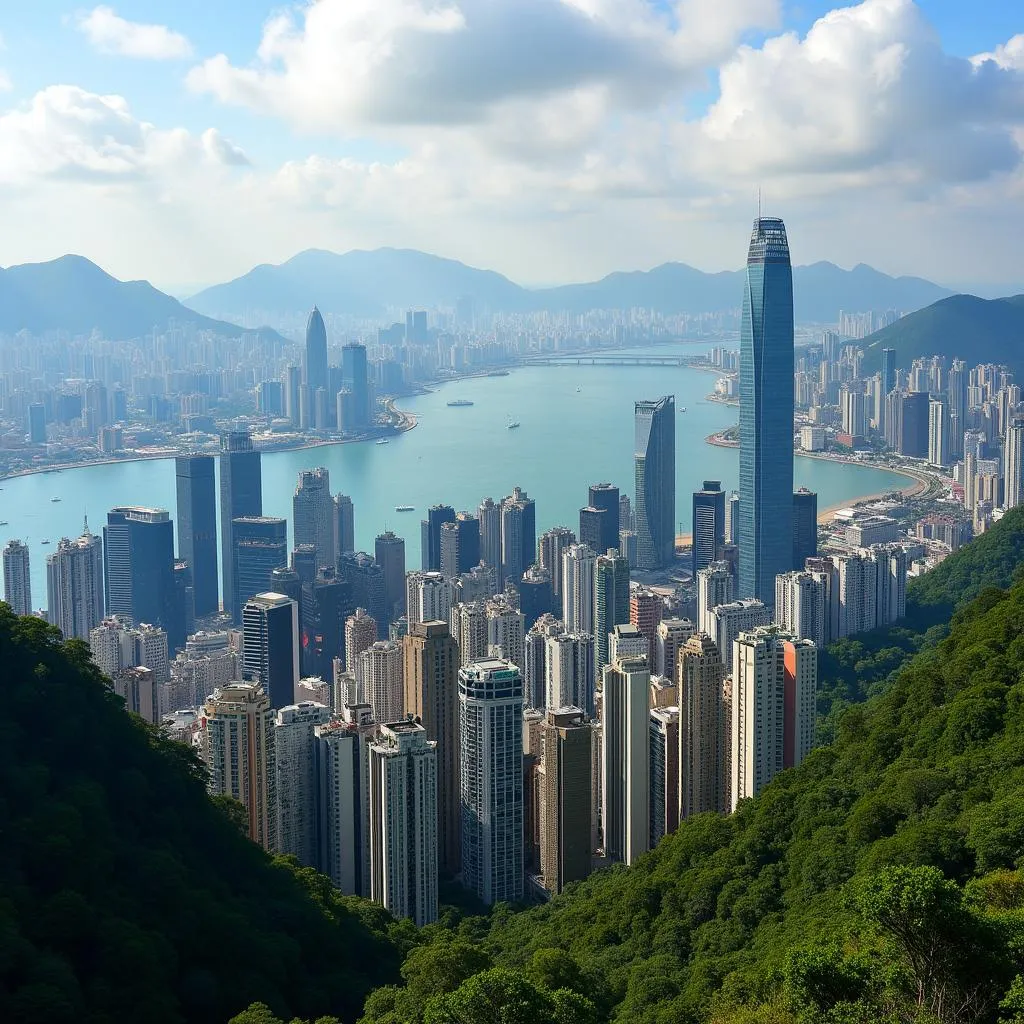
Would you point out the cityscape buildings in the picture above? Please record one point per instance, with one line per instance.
(312, 507)
(704, 728)
(655, 478)
(74, 585)
(17, 577)
(197, 528)
(611, 602)
(270, 646)
(241, 496)
(708, 524)
(260, 547)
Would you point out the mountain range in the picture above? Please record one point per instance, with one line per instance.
(73, 294)
(371, 282)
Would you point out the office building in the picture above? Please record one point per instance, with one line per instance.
(380, 676)
(295, 782)
(314, 368)
(492, 785)
(236, 742)
(261, 546)
(241, 497)
(569, 671)
(566, 798)
(138, 567)
(611, 602)
(343, 527)
(460, 545)
(645, 611)
(704, 728)
(1013, 463)
(430, 539)
(17, 578)
(913, 420)
(37, 423)
(551, 550)
(732, 518)
(606, 497)
(489, 516)
(312, 519)
(626, 641)
(803, 605)
(938, 431)
(727, 621)
(196, 491)
(430, 673)
(535, 595)
(354, 377)
(708, 524)
(389, 554)
(671, 635)
(627, 520)
(773, 707)
(578, 563)
(270, 646)
(404, 822)
(852, 408)
(805, 526)
(366, 580)
(428, 597)
(766, 412)
(325, 605)
(592, 528)
(888, 370)
(74, 585)
(655, 479)
(956, 389)
(628, 547)
(518, 534)
(625, 758)
(715, 586)
(663, 772)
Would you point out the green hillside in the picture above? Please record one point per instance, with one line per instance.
(125, 893)
(964, 326)
(876, 882)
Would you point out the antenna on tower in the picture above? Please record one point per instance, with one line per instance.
(85, 524)
(759, 202)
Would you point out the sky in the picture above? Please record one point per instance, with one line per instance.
(551, 140)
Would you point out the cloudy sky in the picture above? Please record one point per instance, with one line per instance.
(553, 140)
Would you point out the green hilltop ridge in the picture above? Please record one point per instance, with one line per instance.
(961, 326)
(879, 881)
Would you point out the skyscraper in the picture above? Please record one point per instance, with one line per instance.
(938, 431)
(506, 629)
(766, 412)
(17, 579)
(261, 546)
(802, 605)
(671, 635)
(312, 521)
(324, 605)
(535, 594)
(489, 515)
(913, 425)
(888, 370)
(343, 523)
(74, 585)
(957, 390)
(663, 772)
(460, 545)
(611, 603)
(353, 362)
(625, 753)
(315, 374)
(491, 793)
(389, 554)
(569, 668)
(1013, 462)
(606, 496)
(645, 611)
(708, 524)
(241, 495)
(428, 597)
(403, 821)
(518, 534)
(295, 780)
(578, 589)
(270, 646)
(704, 728)
(566, 797)
(805, 526)
(727, 621)
(237, 745)
(360, 635)
(655, 465)
(197, 527)
(550, 549)
(432, 696)
(381, 678)
(732, 518)
(592, 528)
(138, 567)
(430, 539)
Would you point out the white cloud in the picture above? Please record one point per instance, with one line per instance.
(1006, 55)
(353, 63)
(109, 33)
(67, 133)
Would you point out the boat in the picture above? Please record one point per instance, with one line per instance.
(460, 403)
(3, 522)
(55, 499)
(44, 542)
(578, 390)
(512, 424)
(683, 409)
(405, 508)
(382, 440)
(498, 373)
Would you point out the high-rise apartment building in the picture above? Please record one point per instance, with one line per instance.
(295, 781)
(360, 635)
(566, 798)
(312, 519)
(518, 534)
(611, 602)
(17, 578)
(655, 478)
(197, 527)
(428, 597)
(715, 586)
(74, 585)
(489, 515)
(506, 630)
(1013, 463)
(261, 546)
(535, 665)
(732, 518)
(671, 635)
(627, 641)
(241, 496)
(236, 742)
(569, 671)
(704, 728)
(727, 621)
(343, 524)
(803, 605)
(381, 678)
(938, 431)
(766, 412)
(625, 757)
(773, 707)
(430, 536)
(270, 646)
(805, 526)
(645, 611)
(389, 554)
(470, 632)
(578, 564)
(663, 772)
(460, 545)
(551, 550)
(431, 671)
(404, 821)
(491, 793)
(708, 524)
(207, 661)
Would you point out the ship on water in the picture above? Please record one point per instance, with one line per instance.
(459, 403)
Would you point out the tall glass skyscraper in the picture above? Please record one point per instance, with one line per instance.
(655, 464)
(197, 527)
(766, 413)
(315, 369)
(241, 495)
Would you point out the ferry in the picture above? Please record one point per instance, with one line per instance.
(55, 499)
(513, 424)
(460, 403)
(405, 508)
(383, 440)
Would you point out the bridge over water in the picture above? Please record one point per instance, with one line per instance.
(607, 360)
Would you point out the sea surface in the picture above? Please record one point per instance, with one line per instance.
(576, 428)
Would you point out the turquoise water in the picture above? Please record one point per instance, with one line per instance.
(567, 440)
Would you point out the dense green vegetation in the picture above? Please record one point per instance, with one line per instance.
(878, 881)
(958, 327)
(125, 893)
